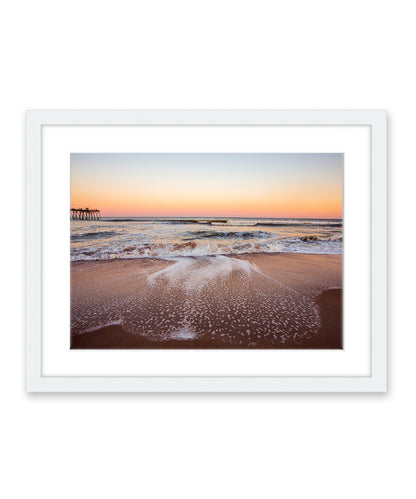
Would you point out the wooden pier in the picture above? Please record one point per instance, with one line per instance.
(85, 214)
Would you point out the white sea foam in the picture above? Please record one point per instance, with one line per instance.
(103, 240)
(184, 333)
(102, 324)
(224, 297)
(194, 274)
(202, 248)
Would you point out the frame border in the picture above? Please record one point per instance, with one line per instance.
(377, 382)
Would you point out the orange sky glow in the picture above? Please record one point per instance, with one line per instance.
(239, 185)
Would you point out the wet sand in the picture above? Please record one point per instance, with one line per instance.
(250, 301)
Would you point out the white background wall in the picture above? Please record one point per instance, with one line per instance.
(209, 55)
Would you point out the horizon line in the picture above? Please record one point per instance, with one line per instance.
(215, 216)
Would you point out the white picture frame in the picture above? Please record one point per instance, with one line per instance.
(374, 381)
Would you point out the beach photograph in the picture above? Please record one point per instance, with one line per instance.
(206, 250)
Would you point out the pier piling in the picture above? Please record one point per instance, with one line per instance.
(85, 214)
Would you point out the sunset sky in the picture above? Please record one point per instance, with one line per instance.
(240, 185)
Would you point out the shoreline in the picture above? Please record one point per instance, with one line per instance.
(173, 257)
(253, 300)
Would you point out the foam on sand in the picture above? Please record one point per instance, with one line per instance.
(243, 302)
(193, 274)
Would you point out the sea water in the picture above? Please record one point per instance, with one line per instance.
(136, 237)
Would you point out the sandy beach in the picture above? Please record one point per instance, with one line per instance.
(275, 300)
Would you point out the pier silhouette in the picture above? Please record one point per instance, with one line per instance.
(85, 214)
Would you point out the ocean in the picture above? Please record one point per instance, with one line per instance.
(135, 237)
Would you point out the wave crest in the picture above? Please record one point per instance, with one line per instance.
(207, 234)
(207, 247)
(93, 235)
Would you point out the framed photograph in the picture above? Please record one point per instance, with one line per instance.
(206, 251)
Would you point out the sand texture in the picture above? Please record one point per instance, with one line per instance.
(250, 301)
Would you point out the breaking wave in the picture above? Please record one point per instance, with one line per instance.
(176, 237)
(205, 234)
(93, 235)
(174, 221)
(298, 224)
(209, 248)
